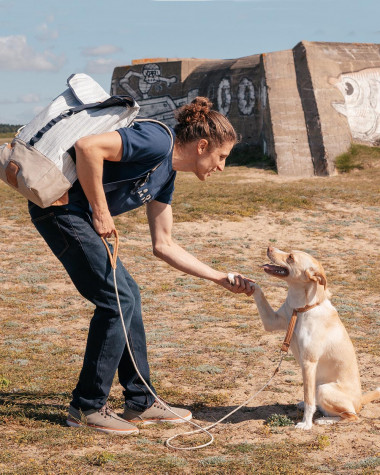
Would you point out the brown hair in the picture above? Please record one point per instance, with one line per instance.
(198, 121)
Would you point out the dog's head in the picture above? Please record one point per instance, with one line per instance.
(296, 267)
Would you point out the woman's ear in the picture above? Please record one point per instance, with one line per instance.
(202, 146)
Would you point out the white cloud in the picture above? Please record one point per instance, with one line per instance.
(17, 55)
(100, 66)
(29, 98)
(44, 33)
(102, 50)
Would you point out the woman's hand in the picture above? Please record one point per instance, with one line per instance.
(237, 284)
(103, 223)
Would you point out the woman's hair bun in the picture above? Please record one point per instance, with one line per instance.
(195, 112)
(203, 103)
(198, 120)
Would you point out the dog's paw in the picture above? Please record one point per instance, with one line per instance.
(304, 425)
(257, 288)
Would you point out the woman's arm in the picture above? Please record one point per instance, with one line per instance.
(91, 152)
(160, 220)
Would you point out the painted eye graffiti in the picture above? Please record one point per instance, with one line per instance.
(349, 88)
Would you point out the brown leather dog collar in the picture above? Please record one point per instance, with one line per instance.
(292, 324)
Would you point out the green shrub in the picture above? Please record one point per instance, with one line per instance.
(357, 157)
(279, 420)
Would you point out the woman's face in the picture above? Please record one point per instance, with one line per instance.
(211, 159)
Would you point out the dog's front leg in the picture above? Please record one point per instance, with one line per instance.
(272, 321)
(309, 370)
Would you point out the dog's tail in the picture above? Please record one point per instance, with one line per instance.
(371, 396)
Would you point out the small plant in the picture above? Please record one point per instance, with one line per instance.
(213, 460)
(100, 459)
(207, 368)
(279, 420)
(321, 443)
(368, 462)
(4, 382)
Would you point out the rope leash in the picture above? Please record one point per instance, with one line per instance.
(113, 260)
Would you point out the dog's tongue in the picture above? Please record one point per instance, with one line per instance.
(267, 267)
(275, 270)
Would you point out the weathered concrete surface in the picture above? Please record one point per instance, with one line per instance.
(290, 140)
(303, 107)
(339, 85)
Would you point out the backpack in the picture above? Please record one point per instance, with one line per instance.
(38, 163)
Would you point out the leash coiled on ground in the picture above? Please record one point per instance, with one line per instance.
(113, 261)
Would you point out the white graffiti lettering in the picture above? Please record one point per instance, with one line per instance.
(224, 96)
(246, 96)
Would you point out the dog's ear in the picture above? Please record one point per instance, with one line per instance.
(317, 275)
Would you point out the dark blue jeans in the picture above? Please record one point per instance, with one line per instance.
(69, 233)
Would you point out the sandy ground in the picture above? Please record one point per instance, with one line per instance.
(207, 348)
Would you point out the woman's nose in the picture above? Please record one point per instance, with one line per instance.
(221, 166)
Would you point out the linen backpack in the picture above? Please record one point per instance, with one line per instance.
(38, 163)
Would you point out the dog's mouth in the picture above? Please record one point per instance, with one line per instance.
(275, 270)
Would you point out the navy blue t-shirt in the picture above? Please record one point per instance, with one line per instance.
(145, 145)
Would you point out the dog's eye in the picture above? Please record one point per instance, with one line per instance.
(290, 258)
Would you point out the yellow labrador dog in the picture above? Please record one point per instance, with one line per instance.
(320, 343)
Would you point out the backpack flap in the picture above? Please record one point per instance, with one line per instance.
(85, 89)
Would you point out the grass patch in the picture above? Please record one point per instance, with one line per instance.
(368, 462)
(357, 157)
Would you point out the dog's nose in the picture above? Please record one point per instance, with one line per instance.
(270, 249)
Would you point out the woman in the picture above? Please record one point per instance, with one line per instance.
(144, 155)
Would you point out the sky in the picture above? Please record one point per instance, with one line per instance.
(43, 42)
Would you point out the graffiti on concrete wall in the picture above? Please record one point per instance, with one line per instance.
(150, 78)
(223, 96)
(246, 96)
(150, 75)
(361, 106)
(145, 86)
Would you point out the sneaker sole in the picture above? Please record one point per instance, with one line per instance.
(71, 423)
(146, 422)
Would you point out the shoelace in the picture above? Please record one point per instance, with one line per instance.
(159, 405)
(105, 411)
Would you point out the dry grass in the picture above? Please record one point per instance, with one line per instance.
(207, 349)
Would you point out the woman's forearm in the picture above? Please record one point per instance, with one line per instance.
(180, 259)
